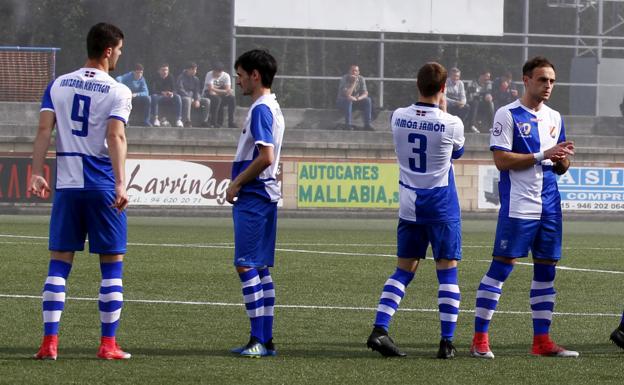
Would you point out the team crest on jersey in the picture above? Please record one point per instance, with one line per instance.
(420, 113)
(498, 129)
(553, 131)
(524, 129)
(90, 74)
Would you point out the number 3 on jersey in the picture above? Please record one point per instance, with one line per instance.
(421, 150)
(80, 113)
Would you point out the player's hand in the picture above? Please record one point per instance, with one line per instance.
(231, 193)
(121, 199)
(196, 104)
(560, 151)
(39, 186)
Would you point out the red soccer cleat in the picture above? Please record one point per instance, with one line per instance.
(544, 346)
(48, 349)
(109, 350)
(480, 347)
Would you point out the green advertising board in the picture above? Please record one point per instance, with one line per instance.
(365, 185)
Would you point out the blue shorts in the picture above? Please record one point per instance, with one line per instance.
(76, 213)
(515, 237)
(413, 240)
(255, 229)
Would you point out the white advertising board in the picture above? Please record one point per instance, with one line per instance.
(457, 17)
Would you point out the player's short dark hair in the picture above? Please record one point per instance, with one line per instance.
(431, 78)
(138, 67)
(190, 65)
(260, 60)
(219, 66)
(163, 65)
(100, 37)
(536, 62)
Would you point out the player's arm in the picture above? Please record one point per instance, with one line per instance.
(507, 160)
(265, 158)
(38, 185)
(117, 149)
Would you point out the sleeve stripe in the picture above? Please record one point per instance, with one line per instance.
(118, 118)
(264, 143)
(493, 148)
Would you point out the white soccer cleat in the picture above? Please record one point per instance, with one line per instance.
(156, 122)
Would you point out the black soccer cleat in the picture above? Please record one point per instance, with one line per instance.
(447, 350)
(380, 341)
(617, 337)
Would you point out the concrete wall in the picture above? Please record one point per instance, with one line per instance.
(311, 136)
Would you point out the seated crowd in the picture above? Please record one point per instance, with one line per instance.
(172, 99)
(476, 103)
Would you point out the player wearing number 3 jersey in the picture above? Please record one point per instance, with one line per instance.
(426, 140)
(90, 110)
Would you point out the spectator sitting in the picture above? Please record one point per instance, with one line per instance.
(456, 95)
(481, 104)
(163, 91)
(503, 90)
(138, 86)
(352, 93)
(189, 88)
(218, 88)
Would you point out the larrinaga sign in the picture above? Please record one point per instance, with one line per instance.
(178, 183)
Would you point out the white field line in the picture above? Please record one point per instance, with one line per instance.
(230, 246)
(313, 307)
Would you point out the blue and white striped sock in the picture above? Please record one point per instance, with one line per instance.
(110, 300)
(489, 292)
(393, 292)
(542, 297)
(448, 301)
(269, 302)
(253, 296)
(54, 295)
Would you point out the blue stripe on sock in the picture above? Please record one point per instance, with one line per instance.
(499, 271)
(110, 270)
(56, 268)
(405, 277)
(447, 277)
(257, 323)
(269, 301)
(53, 305)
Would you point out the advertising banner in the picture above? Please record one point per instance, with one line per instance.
(179, 183)
(581, 188)
(347, 185)
(15, 179)
(151, 182)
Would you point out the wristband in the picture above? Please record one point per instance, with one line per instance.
(539, 156)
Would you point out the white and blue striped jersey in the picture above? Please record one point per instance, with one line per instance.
(531, 193)
(264, 126)
(83, 101)
(425, 140)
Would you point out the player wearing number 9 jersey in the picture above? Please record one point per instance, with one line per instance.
(90, 110)
(426, 139)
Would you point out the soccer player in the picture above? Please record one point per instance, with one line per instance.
(618, 334)
(426, 139)
(529, 147)
(254, 192)
(90, 110)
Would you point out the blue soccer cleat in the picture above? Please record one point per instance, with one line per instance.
(253, 349)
